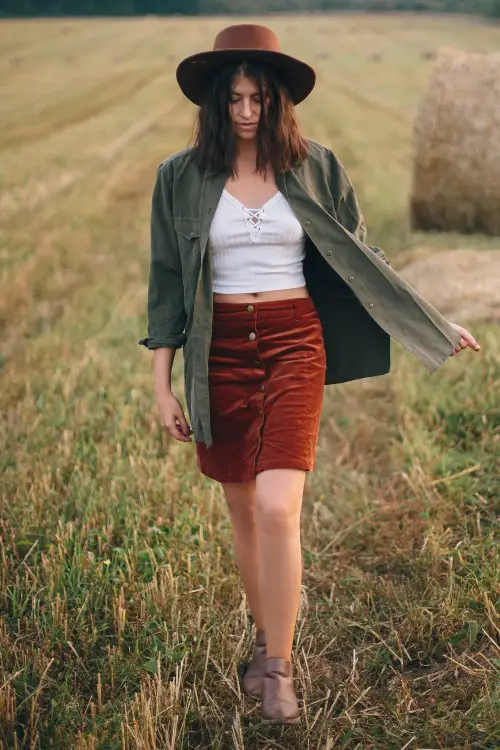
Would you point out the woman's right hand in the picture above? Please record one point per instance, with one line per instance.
(172, 417)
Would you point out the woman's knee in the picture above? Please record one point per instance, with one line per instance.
(278, 498)
(240, 499)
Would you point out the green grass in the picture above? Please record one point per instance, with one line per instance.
(123, 622)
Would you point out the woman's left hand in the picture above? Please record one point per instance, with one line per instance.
(466, 340)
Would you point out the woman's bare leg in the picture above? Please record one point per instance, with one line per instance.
(278, 503)
(240, 498)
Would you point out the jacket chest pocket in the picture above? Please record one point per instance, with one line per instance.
(188, 241)
(329, 207)
(187, 231)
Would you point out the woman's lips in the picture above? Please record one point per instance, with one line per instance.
(247, 125)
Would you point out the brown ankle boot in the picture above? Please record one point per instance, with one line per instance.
(279, 702)
(251, 683)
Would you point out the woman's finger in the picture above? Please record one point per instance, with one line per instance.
(183, 423)
(469, 340)
(176, 431)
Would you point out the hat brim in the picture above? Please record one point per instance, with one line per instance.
(193, 72)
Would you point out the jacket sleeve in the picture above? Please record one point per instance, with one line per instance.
(348, 210)
(166, 314)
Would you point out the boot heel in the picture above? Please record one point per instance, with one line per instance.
(251, 682)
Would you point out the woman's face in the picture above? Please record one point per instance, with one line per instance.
(244, 108)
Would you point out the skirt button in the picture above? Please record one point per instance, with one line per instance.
(252, 336)
(249, 308)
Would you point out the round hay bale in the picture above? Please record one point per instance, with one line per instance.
(471, 288)
(456, 172)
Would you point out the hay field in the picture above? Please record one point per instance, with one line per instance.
(122, 620)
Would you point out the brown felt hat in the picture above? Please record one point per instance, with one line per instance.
(240, 42)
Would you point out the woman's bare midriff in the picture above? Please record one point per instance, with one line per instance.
(300, 291)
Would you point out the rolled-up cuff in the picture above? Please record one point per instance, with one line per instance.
(157, 342)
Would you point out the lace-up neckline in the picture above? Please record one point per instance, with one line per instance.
(253, 216)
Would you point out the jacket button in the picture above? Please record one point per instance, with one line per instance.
(351, 278)
(307, 223)
(371, 304)
(262, 387)
(252, 336)
(328, 252)
(249, 308)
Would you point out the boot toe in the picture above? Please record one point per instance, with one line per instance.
(279, 701)
(281, 713)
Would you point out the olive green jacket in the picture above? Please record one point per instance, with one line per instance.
(361, 300)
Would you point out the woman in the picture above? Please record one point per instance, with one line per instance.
(259, 270)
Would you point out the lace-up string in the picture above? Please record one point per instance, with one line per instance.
(253, 218)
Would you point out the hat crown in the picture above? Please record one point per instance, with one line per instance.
(232, 45)
(247, 36)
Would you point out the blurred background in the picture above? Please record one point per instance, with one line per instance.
(122, 619)
(244, 7)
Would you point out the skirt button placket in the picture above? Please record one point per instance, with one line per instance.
(258, 363)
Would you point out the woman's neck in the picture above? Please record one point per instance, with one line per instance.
(246, 152)
(246, 157)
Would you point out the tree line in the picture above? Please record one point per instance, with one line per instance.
(19, 8)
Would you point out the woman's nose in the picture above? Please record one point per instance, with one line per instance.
(247, 108)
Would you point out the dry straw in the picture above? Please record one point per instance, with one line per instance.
(456, 177)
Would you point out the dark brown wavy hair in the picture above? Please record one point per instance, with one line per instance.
(280, 145)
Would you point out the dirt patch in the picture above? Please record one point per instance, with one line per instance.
(459, 283)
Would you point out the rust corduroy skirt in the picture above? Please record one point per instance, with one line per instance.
(266, 380)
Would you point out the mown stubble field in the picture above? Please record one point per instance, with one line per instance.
(123, 622)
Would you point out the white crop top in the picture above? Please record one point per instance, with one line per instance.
(256, 249)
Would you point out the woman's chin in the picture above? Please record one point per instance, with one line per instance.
(246, 135)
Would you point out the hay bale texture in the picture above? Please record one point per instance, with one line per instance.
(456, 176)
